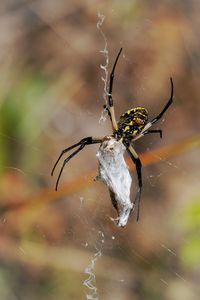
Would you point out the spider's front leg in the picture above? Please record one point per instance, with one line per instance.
(86, 141)
(138, 166)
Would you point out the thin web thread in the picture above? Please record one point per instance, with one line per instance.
(104, 67)
(90, 282)
(154, 178)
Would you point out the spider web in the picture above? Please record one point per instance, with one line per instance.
(104, 66)
(105, 238)
(90, 282)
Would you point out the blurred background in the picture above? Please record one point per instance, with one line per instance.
(51, 96)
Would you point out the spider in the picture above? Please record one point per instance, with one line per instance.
(131, 126)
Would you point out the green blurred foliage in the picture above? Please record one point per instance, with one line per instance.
(20, 121)
(190, 250)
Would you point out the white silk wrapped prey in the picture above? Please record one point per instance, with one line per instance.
(113, 171)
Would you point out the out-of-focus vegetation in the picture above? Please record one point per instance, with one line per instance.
(51, 95)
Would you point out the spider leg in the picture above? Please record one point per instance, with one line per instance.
(166, 106)
(82, 144)
(66, 161)
(110, 108)
(68, 149)
(138, 166)
(154, 131)
(112, 74)
(154, 120)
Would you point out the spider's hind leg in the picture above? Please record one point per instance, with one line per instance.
(159, 131)
(110, 107)
(169, 102)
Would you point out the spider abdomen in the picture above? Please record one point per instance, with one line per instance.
(131, 124)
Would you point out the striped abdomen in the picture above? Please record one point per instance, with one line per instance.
(131, 124)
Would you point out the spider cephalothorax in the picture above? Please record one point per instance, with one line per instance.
(131, 126)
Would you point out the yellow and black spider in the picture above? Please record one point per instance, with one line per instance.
(131, 126)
